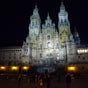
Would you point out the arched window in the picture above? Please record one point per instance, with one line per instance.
(61, 21)
(65, 21)
(57, 45)
(48, 45)
(48, 25)
(40, 55)
(41, 46)
(48, 37)
(32, 23)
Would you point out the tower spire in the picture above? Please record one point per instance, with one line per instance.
(75, 32)
(35, 21)
(35, 10)
(62, 7)
(63, 15)
(36, 6)
(48, 16)
(76, 36)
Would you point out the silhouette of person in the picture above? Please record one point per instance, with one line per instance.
(48, 81)
(68, 80)
(59, 77)
(19, 81)
(41, 81)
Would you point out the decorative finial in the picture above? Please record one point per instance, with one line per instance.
(48, 16)
(76, 33)
(36, 6)
(62, 5)
(35, 10)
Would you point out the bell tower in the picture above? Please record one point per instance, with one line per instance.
(34, 26)
(63, 24)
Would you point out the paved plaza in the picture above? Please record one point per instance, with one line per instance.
(81, 82)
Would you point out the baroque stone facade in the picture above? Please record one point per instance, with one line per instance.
(46, 44)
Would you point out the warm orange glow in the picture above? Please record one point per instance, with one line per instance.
(2, 68)
(71, 68)
(25, 67)
(14, 68)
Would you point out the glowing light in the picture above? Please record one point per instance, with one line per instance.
(14, 68)
(2, 68)
(86, 50)
(25, 67)
(71, 68)
(82, 51)
(49, 44)
(58, 58)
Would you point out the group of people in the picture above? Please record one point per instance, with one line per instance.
(45, 79)
(48, 81)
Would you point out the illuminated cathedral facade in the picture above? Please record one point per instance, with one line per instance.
(45, 44)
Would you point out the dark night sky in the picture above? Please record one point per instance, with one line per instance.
(15, 18)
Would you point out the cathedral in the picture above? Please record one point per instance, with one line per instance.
(46, 44)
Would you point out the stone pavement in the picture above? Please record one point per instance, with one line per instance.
(13, 83)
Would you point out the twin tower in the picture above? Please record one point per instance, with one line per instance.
(46, 44)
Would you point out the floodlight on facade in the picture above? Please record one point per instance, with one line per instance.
(71, 68)
(14, 68)
(25, 68)
(2, 67)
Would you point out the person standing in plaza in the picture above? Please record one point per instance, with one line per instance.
(41, 81)
(68, 80)
(48, 81)
(19, 81)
